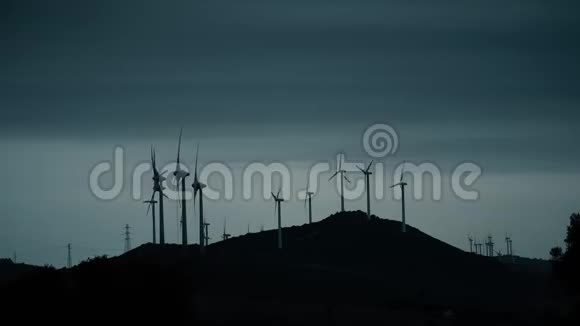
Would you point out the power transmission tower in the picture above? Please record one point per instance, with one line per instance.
(69, 258)
(127, 238)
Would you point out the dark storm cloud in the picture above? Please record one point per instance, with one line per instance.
(72, 68)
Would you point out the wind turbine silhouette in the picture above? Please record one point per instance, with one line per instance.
(508, 241)
(206, 240)
(470, 243)
(225, 236)
(308, 200)
(158, 180)
(278, 207)
(151, 207)
(180, 175)
(402, 184)
(198, 187)
(342, 178)
(367, 174)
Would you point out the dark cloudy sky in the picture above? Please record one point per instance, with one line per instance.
(494, 82)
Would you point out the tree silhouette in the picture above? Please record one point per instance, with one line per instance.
(556, 254)
(573, 236)
(567, 265)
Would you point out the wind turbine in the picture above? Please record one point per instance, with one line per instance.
(367, 174)
(158, 180)
(341, 171)
(402, 184)
(508, 241)
(151, 207)
(278, 207)
(206, 225)
(489, 245)
(180, 175)
(225, 236)
(470, 243)
(198, 187)
(308, 200)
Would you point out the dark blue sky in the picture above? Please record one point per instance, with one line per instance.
(495, 82)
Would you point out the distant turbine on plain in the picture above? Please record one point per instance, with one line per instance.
(308, 200)
(508, 241)
(278, 207)
(343, 177)
(470, 243)
(367, 173)
(225, 235)
(402, 184)
(180, 176)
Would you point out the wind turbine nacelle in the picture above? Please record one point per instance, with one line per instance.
(180, 174)
(198, 186)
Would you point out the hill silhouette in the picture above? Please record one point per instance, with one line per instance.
(343, 267)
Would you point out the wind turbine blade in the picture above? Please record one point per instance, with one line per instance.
(196, 157)
(396, 184)
(278, 195)
(402, 171)
(334, 175)
(340, 163)
(164, 195)
(150, 203)
(361, 170)
(370, 164)
(274, 196)
(179, 146)
(345, 178)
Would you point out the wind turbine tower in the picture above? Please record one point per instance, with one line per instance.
(367, 173)
(308, 200)
(225, 235)
(127, 238)
(69, 258)
(343, 177)
(508, 241)
(278, 207)
(206, 240)
(198, 187)
(180, 176)
(158, 180)
(151, 207)
(491, 244)
(470, 243)
(402, 184)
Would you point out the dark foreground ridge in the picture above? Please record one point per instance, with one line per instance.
(341, 268)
